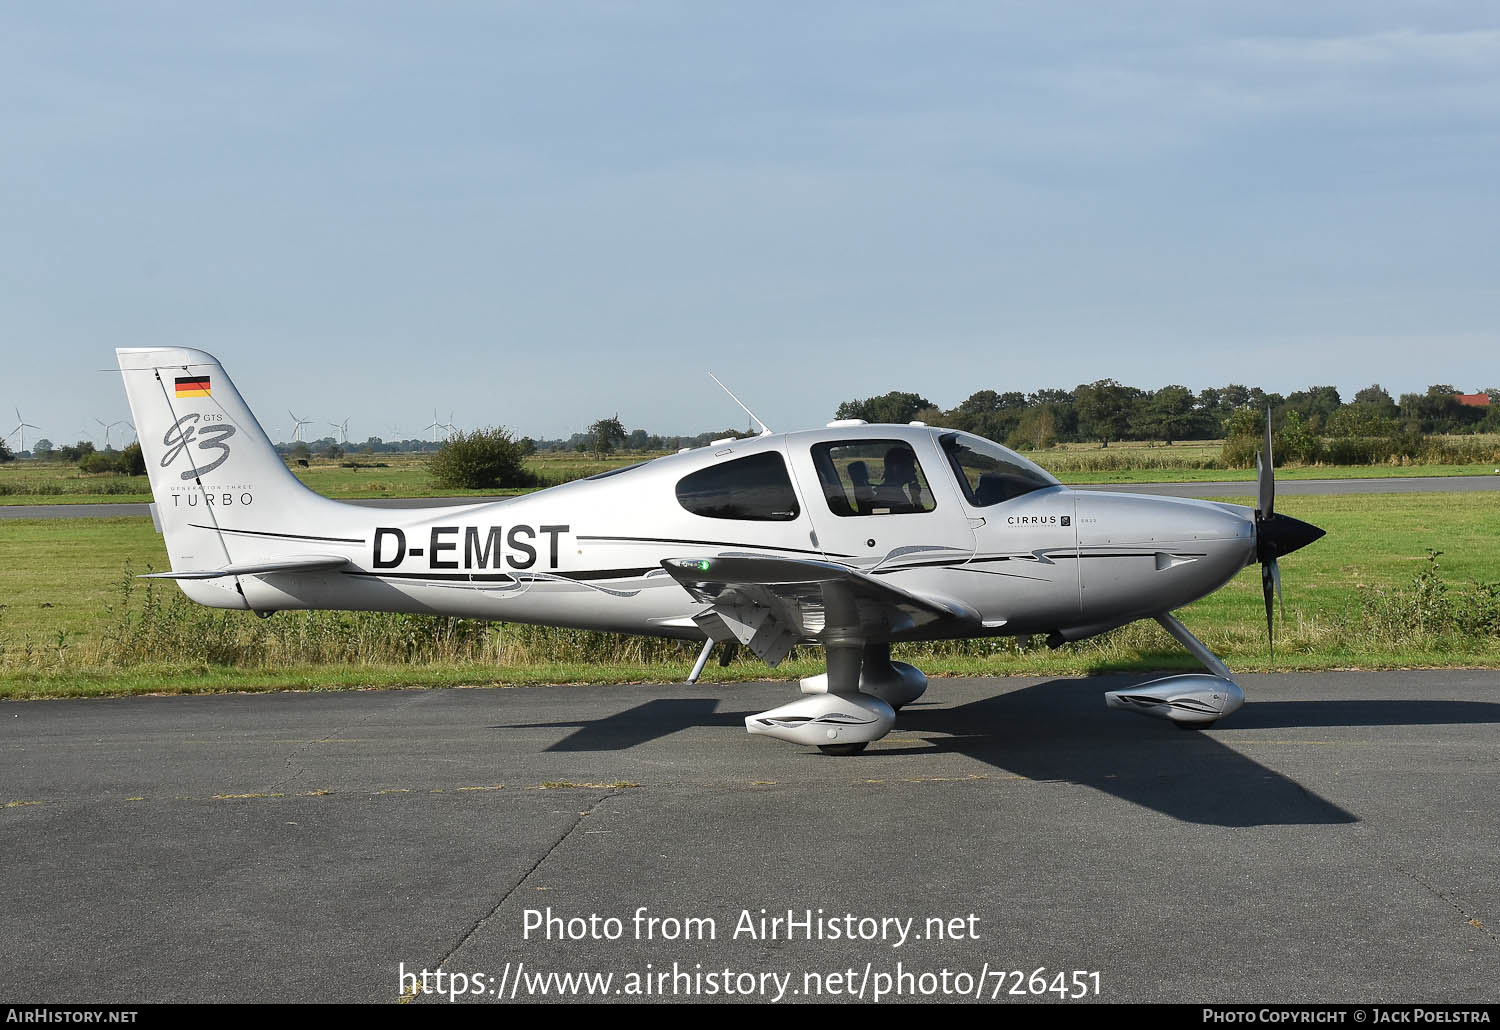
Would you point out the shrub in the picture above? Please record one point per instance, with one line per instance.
(132, 462)
(1239, 452)
(480, 460)
(97, 462)
(1296, 442)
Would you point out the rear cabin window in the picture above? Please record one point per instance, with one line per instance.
(988, 473)
(872, 477)
(756, 489)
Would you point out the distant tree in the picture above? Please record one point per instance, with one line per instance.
(637, 440)
(1438, 411)
(1295, 442)
(1375, 396)
(1260, 400)
(988, 413)
(5, 453)
(1169, 414)
(131, 461)
(1209, 401)
(980, 402)
(42, 449)
(606, 434)
(1105, 409)
(1363, 419)
(483, 459)
(1316, 405)
(75, 452)
(1234, 396)
(1243, 431)
(1037, 429)
(1064, 411)
(894, 407)
(527, 445)
(96, 462)
(1244, 422)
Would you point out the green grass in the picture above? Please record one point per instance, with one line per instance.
(405, 475)
(62, 630)
(1294, 472)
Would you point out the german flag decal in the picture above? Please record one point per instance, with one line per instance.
(192, 386)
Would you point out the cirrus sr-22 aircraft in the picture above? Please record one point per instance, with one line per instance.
(852, 537)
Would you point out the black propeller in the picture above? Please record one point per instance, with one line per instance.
(1275, 535)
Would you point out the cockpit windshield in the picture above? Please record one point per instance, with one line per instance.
(991, 474)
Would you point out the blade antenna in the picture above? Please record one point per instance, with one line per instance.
(765, 430)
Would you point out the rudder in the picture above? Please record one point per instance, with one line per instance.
(211, 465)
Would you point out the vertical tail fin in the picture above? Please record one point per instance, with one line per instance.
(223, 494)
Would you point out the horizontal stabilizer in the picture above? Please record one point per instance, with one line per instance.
(301, 563)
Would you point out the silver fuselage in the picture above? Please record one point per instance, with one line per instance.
(589, 553)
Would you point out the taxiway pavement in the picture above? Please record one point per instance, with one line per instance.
(1332, 841)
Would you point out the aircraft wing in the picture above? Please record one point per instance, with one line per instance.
(301, 563)
(770, 604)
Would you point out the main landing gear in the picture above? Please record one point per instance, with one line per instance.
(852, 704)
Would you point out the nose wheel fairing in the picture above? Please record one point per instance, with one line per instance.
(1193, 699)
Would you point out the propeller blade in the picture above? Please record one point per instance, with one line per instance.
(1266, 585)
(1276, 578)
(1265, 474)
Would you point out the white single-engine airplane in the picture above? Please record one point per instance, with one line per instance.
(853, 537)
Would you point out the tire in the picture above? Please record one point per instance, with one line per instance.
(843, 750)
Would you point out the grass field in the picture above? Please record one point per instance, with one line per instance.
(1350, 603)
(405, 475)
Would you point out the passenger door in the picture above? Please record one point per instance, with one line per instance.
(881, 500)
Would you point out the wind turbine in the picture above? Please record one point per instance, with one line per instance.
(298, 424)
(109, 426)
(435, 424)
(343, 428)
(21, 426)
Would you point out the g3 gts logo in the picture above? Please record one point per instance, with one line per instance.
(210, 438)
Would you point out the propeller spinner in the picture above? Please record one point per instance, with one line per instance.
(1275, 535)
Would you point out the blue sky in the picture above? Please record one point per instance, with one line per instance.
(537, 214)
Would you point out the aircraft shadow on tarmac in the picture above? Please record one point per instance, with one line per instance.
(1061, 731)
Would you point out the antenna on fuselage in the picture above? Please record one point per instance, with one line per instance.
(765, 430)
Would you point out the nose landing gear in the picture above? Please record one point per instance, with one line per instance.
(1191, 701)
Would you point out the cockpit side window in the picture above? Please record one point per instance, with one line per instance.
(988, 473)
(872, 477)
(755, 488)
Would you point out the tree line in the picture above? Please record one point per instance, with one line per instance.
(1109, 411)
